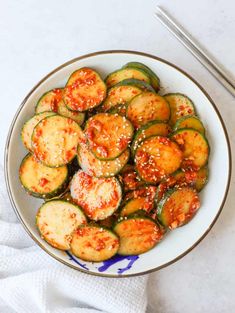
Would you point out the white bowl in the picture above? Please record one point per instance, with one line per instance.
(178, 242)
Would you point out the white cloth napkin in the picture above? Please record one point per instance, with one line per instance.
(33, 282)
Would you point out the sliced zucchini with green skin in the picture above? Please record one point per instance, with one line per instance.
(154, 79)
(136, 82)
(55, 140)
(202, 178)
(28, 128)
(195, 147)
(49, 101)
(176, 180)
(138, 234)
(57, 220)
(84, 90)
(98, 168)
(153, 128)
(180, 106)
(119, 109)
(65, 196)
(126, 73)
(177, 207)
(179, 179)
(190, 122)
(135, 204)
(130, 179)
(99, 197)
(146, 107)
(197, 179)
(161, 190)
(78, 117)
(94, 243)
(108, 135)
(52, 101)
(119, 95)
(42, 181)
(157, 157)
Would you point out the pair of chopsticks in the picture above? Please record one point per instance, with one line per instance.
(216, 70)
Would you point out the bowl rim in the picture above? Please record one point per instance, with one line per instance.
(9, 138)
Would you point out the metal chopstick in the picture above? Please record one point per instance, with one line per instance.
(189, 43)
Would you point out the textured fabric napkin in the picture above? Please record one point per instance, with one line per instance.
(33, 282)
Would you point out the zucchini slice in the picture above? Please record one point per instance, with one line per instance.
(196, 179)
(99, 197)
(138, 234)
(146, 107)
(202, 178)
(98, 168)
(94, 243)
(28, 128)
(119, 109)
(52, 101)
(55, 140)
(154, 79)
(161, 189)
(119, 75)
(65, 196)
(119, 95)
(153, 128)
(177, 207)
(49, 101)
(56, 221)
(148, 193)
(157, 157)
(137, 83)
(135, 204)
(190, 122)
(130, 179)
(167, 183)
(78, 117)
(176, 180)
(84, 90)
(180, 106)
(181, 179)
(195, 147)
(108, 135)
(42, 181)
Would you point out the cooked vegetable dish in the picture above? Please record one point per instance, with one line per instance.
(118, 164)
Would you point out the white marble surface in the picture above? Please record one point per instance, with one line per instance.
(37, 36)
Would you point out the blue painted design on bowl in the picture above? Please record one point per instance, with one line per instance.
(118, 258)
(108, 263)
(71, 257)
